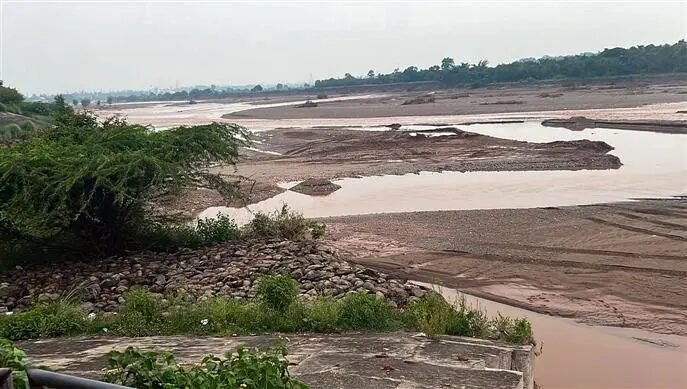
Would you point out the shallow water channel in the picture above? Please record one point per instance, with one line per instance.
(654, 165)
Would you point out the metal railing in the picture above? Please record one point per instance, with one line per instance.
(47, 379)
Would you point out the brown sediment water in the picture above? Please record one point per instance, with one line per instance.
(580, 356)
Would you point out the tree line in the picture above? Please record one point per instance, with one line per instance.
(650, 59)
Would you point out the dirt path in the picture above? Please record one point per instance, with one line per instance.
(622, 264)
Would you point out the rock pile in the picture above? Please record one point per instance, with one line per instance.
(228, 270)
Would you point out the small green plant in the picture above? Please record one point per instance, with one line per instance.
(140, 315)
(277, 292)
(247, 368)
(14, 358)
(323, 315)
(217, 230)
(364, 311)
(432, 314)
(284, 223)
(58, 318)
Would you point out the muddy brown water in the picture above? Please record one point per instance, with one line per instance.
(575, 355)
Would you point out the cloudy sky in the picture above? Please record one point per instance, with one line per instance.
(63, 46)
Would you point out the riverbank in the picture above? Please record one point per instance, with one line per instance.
(619, 264)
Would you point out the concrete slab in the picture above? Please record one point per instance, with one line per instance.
(397, 360)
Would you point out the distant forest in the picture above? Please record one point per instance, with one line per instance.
(649, 59)
(636, 60)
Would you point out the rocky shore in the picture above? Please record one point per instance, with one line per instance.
(228, 270)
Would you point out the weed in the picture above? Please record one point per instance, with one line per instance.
(247, 368)
(284, 223)
(277, 292)
(364, 311)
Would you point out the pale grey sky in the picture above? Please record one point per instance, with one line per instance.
(63, 46)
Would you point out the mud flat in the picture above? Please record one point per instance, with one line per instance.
(337, 153)
(620, 264)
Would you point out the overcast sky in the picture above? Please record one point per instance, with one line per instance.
(63, 46)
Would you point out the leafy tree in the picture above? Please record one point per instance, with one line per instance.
(109, 100)
(92, 182)
(85, 102)
(97, 103)
(447, 64)
(75, 102)
(10, 95)
(280, 86)
(650, 59)
(257, 88)
(371, 74)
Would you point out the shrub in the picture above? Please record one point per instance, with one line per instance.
(217, 230)
(505, 328)
(364, 311)
(432, 314)
(170, 235)
(277, 292)
(247, 368)
(14, 358)
(141, 301)
(284, 223)
(140, 315)
(93, 182)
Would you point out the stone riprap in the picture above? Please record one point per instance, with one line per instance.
(228, 270)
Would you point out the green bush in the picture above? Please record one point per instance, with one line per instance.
(277, 292)
(141, 301)
(94, 182)
(140, 315)
(217, 230)
(284, 223)
(247, 368)
(432, 315)
(365, 311)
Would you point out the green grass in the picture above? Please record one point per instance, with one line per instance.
(143, 314)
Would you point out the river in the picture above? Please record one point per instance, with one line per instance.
(574, 355)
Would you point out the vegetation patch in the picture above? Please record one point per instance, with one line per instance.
(88, 186)
(246, 368)
(284, 223)
(275, 309)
